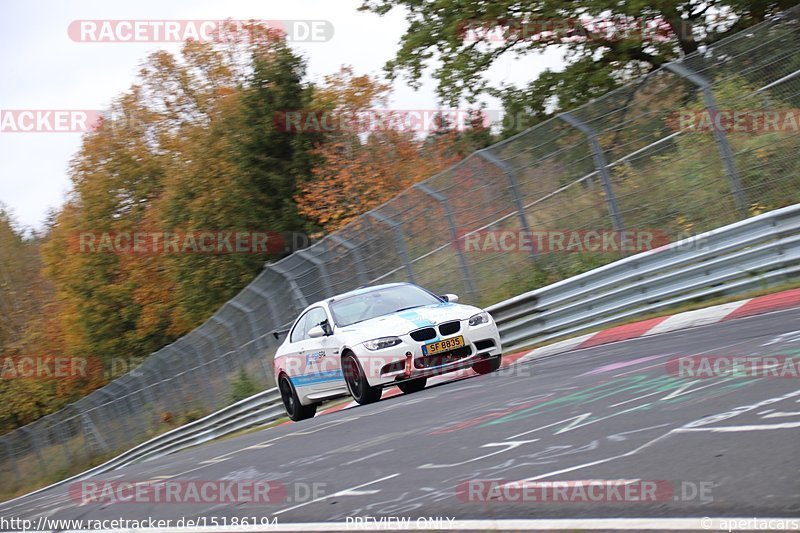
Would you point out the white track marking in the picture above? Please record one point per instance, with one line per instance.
(682, 390)
(781, 414)
(354, 461)
(507, 446)
(735, 429)
(791, 336)
(636, 370)
(340, 493)
(599, 461)
(259, 446)
(617, 437)
(544, 427)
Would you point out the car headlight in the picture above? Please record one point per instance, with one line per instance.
(381, 343)
(480, 318)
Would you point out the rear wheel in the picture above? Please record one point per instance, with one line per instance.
(291, 402)
(487, 366)
(415, 385)
(357, 382)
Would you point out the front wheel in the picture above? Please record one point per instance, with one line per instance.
(487, 366)
(357, 382)
(291, 402)
(415, 385)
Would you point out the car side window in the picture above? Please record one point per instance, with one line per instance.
(314, 317)
(299, 329)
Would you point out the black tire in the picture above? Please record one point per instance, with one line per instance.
(415, 385)
(357, 383)
(291, 402)
(487, 366)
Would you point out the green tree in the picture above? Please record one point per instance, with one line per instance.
(594, 63)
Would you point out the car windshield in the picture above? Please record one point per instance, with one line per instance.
(379, 302)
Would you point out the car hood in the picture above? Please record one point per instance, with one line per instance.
(405, 321)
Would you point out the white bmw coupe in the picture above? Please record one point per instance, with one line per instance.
(359, 342)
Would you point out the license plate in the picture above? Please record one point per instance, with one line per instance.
(443, 346)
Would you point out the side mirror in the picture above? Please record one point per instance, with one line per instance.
(316, 332)
(452, 298)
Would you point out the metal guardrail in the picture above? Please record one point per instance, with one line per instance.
(257, 410)
(731, 259)
(745, 255)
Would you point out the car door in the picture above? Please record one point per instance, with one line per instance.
(293, 363)
(321, 354)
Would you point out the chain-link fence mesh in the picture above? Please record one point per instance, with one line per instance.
(618, 162)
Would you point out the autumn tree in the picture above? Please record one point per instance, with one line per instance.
(190, 147)
(372, 154)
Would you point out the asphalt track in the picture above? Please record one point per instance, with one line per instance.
(611, 412)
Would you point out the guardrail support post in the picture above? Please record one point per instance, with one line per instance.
(401, 242)
(353, 249)
(600, 164)
(448, 213)
(724, 147)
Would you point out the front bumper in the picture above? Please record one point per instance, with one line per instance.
(389, 366)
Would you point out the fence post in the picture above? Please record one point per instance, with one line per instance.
(34, 444)
(353, 249)
(204, 381)
(169, 365)
(257, 339)
(298, 295)
(232, 333)
(217, 352)
(510, 173)
(724, 147)
(163, 392)
(451, 223)
(276, 320)
(401, 243)
(96, 441)
(123, 408)
(12, 459)
(307, 256)
(251, 321)
(600, 164)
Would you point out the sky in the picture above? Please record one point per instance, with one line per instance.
(43, 68)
